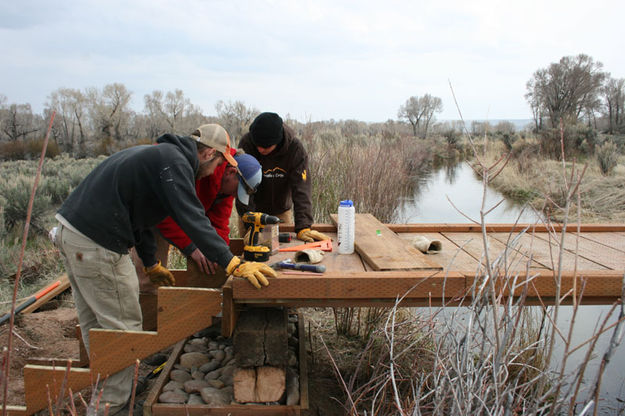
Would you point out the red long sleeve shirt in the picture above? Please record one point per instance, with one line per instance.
(217, 208)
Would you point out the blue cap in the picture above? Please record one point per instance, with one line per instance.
(250, 175)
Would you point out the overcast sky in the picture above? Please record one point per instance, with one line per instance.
(313, 60)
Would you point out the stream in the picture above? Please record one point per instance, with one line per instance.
(430, 203)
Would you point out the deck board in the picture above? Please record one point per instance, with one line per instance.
(382, 248)
(612, 240)
(472, 244)
(591, 250)
(542, 250)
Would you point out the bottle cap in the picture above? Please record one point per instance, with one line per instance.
(346, 203)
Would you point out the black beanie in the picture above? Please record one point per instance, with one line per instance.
(267, 130)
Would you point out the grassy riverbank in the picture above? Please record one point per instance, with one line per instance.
(531, 178)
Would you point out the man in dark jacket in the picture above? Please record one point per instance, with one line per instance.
(285, 190)
(115, 207)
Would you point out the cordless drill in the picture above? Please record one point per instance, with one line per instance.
(253, 251)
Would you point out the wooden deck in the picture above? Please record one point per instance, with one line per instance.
(530, 256)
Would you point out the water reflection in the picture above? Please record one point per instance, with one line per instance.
(458, 182)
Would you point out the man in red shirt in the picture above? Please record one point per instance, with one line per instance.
(216, 193)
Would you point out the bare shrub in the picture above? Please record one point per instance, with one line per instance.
(607, 157)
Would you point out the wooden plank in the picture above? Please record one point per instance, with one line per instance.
(303, 362)
(38, 379)
(376, 286)
(615, 241)
(542, 252)
(590, 250)
(382, 249)
(62, 287)
(501, 228)
(600, 284)
(472, 244)
(181, 312)
(230, 313)
(451, 257)
(163, 378)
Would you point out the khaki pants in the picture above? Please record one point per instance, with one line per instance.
(285, 218)
(106, 292)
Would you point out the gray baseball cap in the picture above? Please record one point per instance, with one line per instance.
(215, 136)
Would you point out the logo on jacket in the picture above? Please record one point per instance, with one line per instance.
(276, 172)
(304, 175)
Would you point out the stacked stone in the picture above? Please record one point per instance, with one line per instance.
(204, 373)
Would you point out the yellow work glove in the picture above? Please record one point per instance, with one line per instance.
(254, 272)
(309, 236)
(159, 275)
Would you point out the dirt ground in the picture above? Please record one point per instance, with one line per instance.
(52, 334)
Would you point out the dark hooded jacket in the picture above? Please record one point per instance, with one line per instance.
(285, 181)
(130, 192)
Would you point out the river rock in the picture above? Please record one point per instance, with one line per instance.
(180, 375)
(218, 384)
(227, 375)
(173, 385)
(213, 375)
(197, 375)
(193, 359)
(215, 397)
(292, 358)
(173, 396)
(195, 348)
(292, 387)
(209, 366)
(194, 386)
(195, 399)
(219, 355)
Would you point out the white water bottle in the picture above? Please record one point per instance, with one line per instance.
(345, 231)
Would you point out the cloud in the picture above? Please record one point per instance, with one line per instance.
(324, 59)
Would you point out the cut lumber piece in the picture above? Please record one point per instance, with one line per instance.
(382, 249)
(259, 384)
(270, 383)
(245, 385)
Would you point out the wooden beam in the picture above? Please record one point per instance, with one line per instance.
(358, 285)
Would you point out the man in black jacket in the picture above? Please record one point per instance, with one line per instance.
(285, 190)
(115, 208)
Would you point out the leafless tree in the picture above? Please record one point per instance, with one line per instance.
(419, 112)
(70, 105)
(17, 121)
(566, 89)
(235, 117)
(109, 111)
(171, 113)
(614, 95)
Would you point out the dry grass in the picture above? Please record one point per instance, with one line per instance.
(540, 182)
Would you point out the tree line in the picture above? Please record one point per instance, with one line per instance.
(99, 121)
